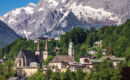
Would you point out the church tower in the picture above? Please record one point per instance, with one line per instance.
(38, 51)
(71, 50)
(46, 51)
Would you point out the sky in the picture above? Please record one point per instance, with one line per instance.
(8, 5)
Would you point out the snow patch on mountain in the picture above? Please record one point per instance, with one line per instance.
(16, 12)
(41, 9)
(65, 15)
(64, 24)
(18, 15)
(55, 17)
(86, 12)
(12, 20)
(53, 2)
(29, 10)
(26, 33)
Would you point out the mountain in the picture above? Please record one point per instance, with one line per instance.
(7, 35)
(55, 17)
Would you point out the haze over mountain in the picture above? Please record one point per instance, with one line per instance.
(7, 35)
(55, 17)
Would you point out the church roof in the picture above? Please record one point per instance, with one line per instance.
(30, 56)
(62, 58)
(26, 53)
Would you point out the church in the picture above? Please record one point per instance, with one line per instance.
(26, 58)
(27, 63)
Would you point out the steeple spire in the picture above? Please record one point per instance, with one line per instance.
(37, 52)
(38, 46)
(46, 47)
(46, 51)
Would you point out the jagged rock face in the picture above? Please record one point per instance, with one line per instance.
(17, 19)
(55, 17)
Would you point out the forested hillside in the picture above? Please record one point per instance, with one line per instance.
(116, 39)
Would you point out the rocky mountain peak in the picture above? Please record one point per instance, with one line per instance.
(55, 17)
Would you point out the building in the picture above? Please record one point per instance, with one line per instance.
(97, 44)
(13, 78)
(71, 50)
(60, 62)
(89, 62)
(24, 58)
(92, 52)
(74, 66)
(114, 59)
(104, 51)
(85, 60)
(28, 63)
(57, 38)
(42, 38)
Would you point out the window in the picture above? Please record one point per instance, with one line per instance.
(19, 62)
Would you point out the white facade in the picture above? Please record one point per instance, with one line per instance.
(92, 52)
(45, 55)
(71, 49)
(55, 66)
(34, 64)
(104, 51)
(37, 53)
(57, 38)
(115, 63)
(97, 44)
(85, 60)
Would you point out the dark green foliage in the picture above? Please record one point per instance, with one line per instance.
(55, 76)
(80, 75)
(116, 39)
(76, 35)
(67, 75)
(102, 74)
(38, 76)
(6, 70)
(106, 74)
(48, 60)
(12, 50)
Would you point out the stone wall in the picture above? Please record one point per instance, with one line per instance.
(26, 71)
